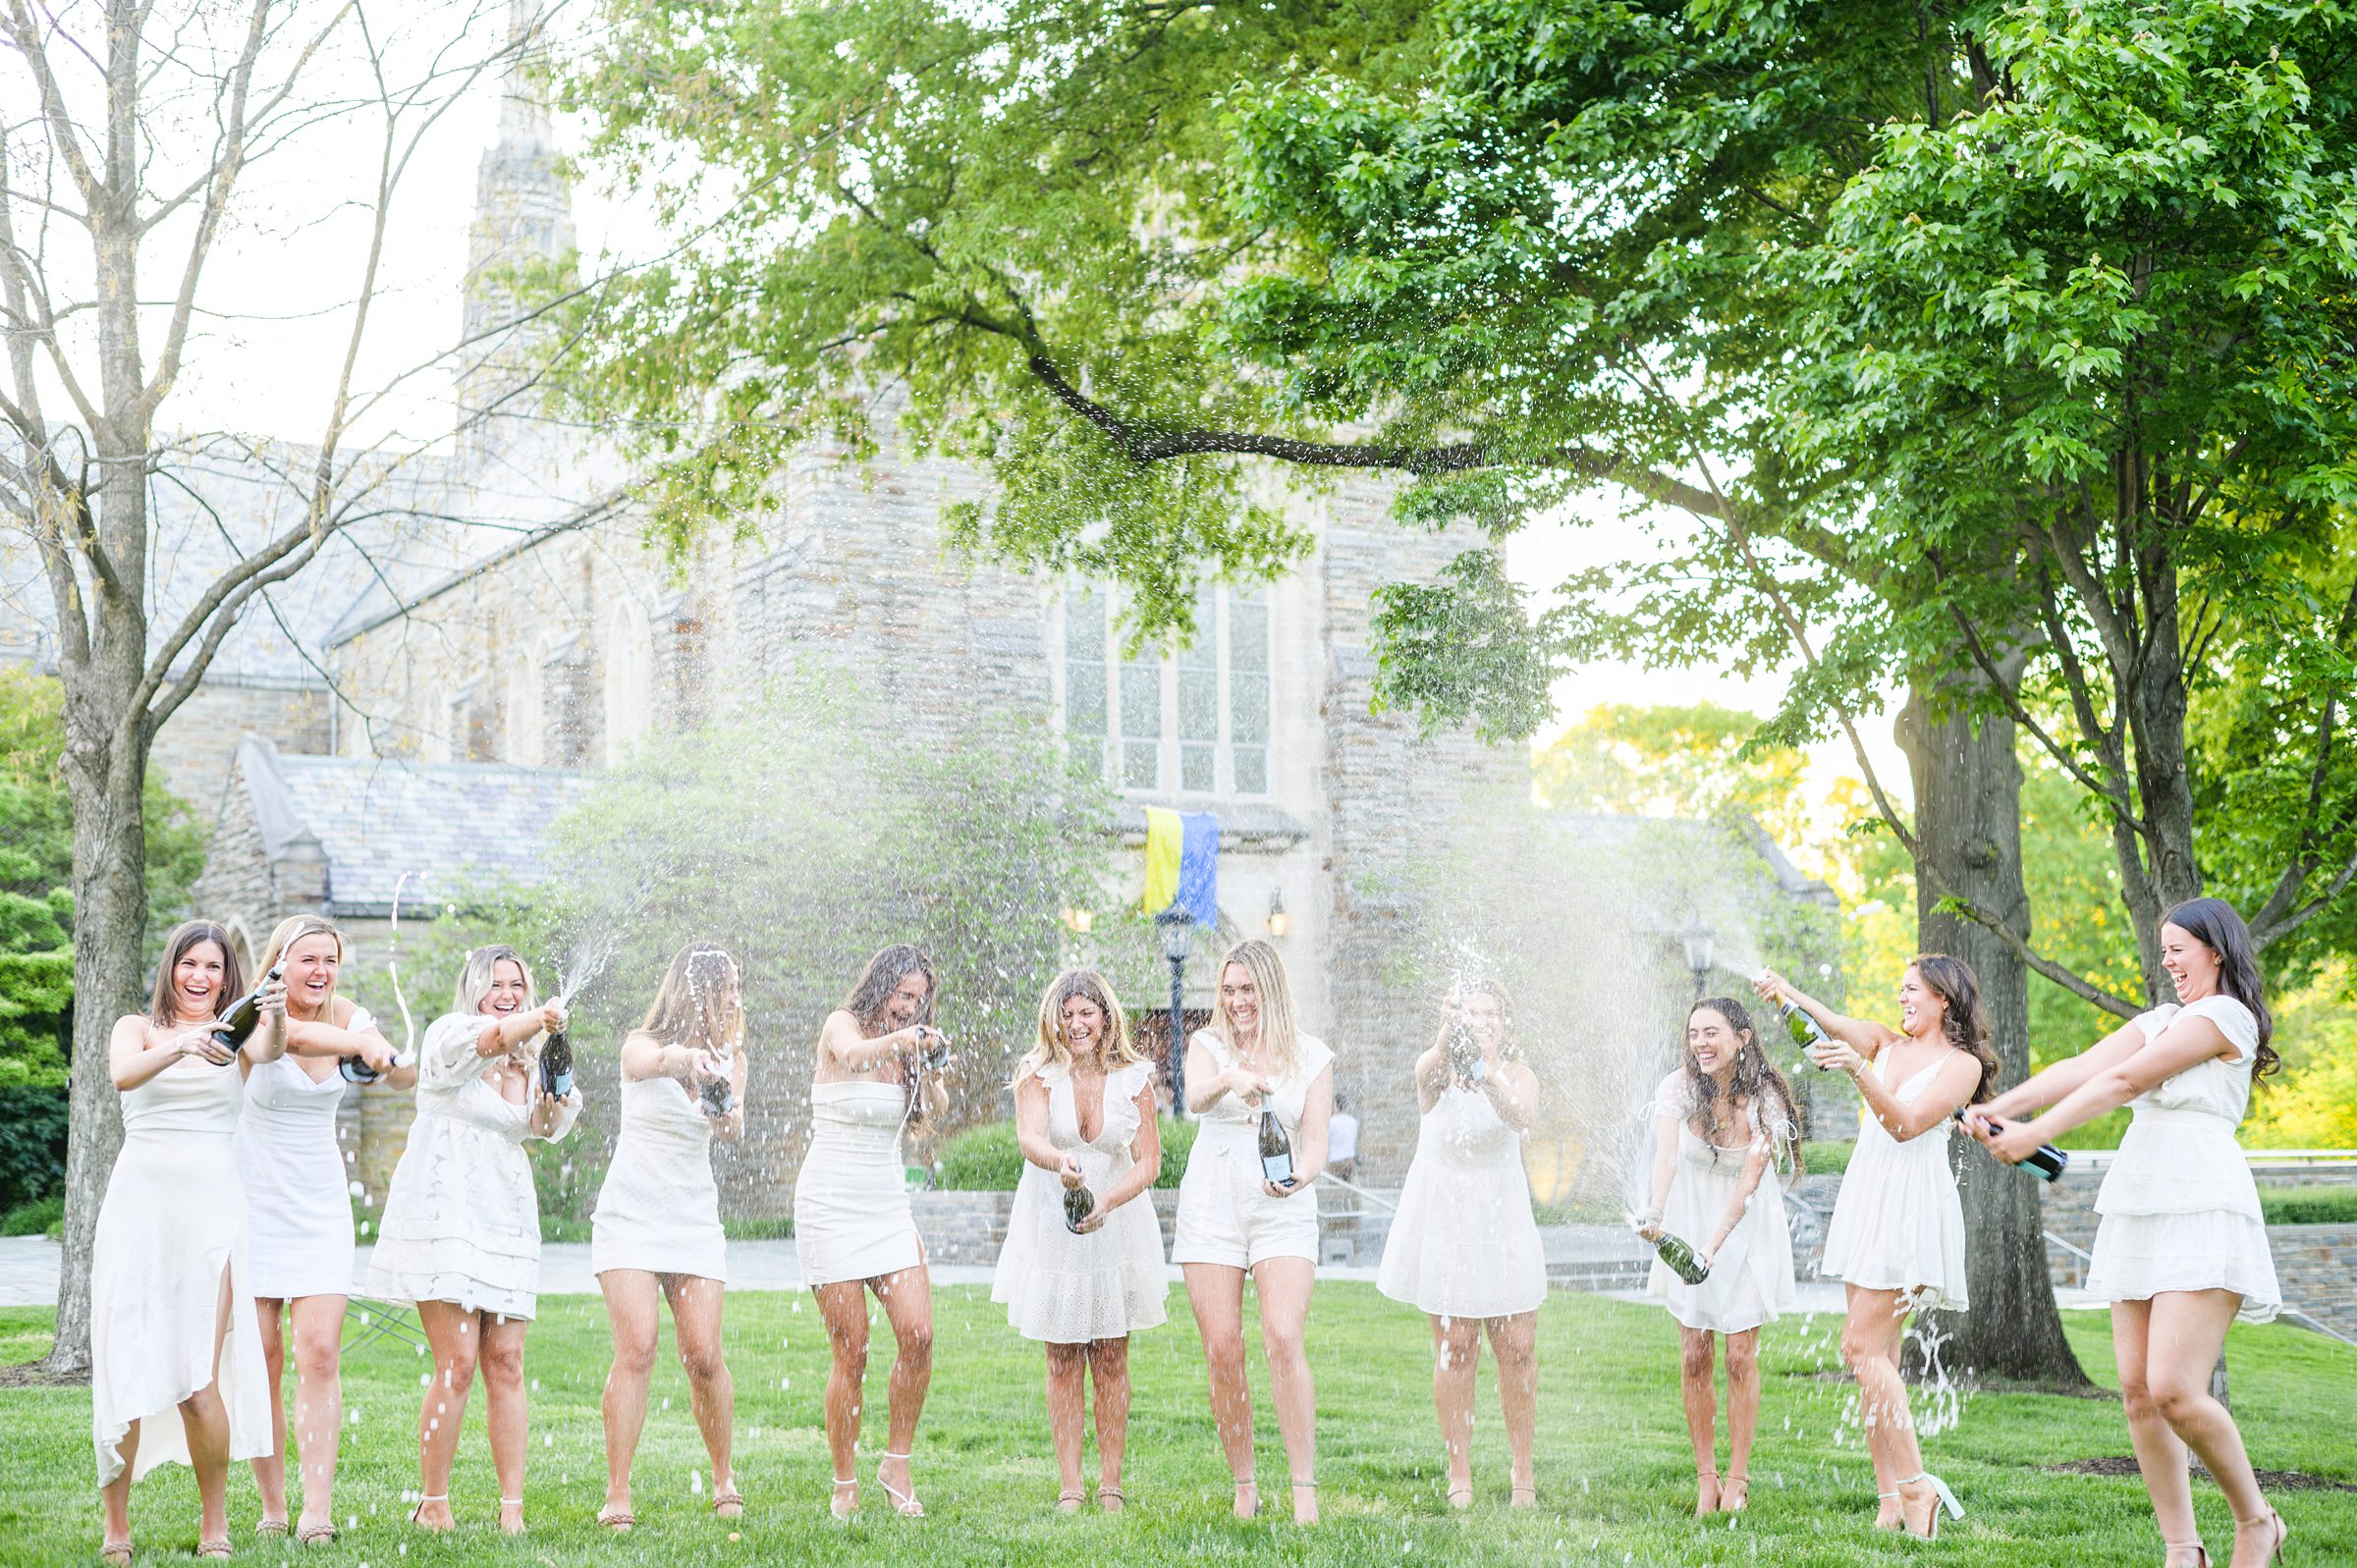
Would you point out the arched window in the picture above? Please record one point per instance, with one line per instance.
(629, 657)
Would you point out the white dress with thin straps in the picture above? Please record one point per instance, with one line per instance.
(1750, 1281)
(1898, 1223)
(659, 1209)
(1068, 1289)
(297, 1193)
(1225, 1216)
(1464, 1243)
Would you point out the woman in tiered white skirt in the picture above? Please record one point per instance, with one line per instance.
(460, 1235)
(1464, 1246)
(1897, 1237)
(853, 1230)
(657, 1230)
(1718, 1123)
(1084, 1114)
(2182, 1250)
(1234, 1222)
(176, 1358)
(298, 1211)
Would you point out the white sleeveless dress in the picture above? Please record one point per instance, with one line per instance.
(461, 1220)
(2179, 1209)
(1750, 1281)
(1066, 1289)
(1224, 1214)
(852, 1219)
(1898, 1223)
(171, 1222)
(1464, 1243)
(659, 1209)
(298, 1238)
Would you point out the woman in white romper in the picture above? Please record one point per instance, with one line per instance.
(1232, 1221)
(460, 1235)
(2182, 1250)
(656, 1231)
(298, 1211)
(853, 1230)
(171, 1330)
(1464, 1246)
(1084, 1115)
(1896, 1238)
(1719, 1121)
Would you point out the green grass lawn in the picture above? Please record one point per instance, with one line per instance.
(1614, 1474)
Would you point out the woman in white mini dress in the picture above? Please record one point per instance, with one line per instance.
(1464, 1246)
(1718, 1122)
(1084, 1114)
(853, 1230)
(298, 1211)
(1896, 1238)
(2182, 1250)
(176, 1358)
(460, 1234)
(656, 1232)
(1234, 1222)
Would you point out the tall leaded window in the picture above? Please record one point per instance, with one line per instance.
(1193, 723)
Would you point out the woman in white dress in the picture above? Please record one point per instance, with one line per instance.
(1084, 1114)
(299, 1239)
(2182, 1250)
(1719, 1121)
(656, 1232)
(1464, 1245)
(460, 1234)
(878, 1063)
(1234, 1222)
(172, 1328)
(1896, 1238)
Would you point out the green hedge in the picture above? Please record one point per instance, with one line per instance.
(2309, 1206)
(986, 1159)
(46, 1218)
(1826, 1159)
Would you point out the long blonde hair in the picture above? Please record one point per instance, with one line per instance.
(1114, 1048)
(1279, 1049)
(688, 1010)
(475, 978)
(294, 928)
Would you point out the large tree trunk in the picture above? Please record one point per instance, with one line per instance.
(1969, 826)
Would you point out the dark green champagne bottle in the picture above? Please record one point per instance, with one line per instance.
(556, 1065)
(1276, 1150)
(1078, 1203)
(1805, 1033)
(1465, 1058)
(1682, 1259)
(2046, 1162)
(719, 1095)
(244, 1016)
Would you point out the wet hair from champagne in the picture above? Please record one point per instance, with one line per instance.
(1965, 1023)
(2218, 926)
(293, 930)
(163, 1003)
(475, 976)
(1490, 986)
(1756, 1083)
(1278, 1047)
(1116, 1049)
(701, 1002)
(872, 993)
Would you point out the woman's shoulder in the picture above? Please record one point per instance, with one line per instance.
(2234, 1017)
(1131, 1078)
(1313, 1054)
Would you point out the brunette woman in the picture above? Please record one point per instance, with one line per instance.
(1234, 1222)
(879, 1059)
(657, 1226)
(1718, 1123)
(460, 1235)
(171, 1322)
(1897, 1237)
(2182, 1250)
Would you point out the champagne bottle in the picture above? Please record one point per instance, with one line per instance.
(1805, 1033)
(1682, 1259)
(556, 1065)
(2046, 1162)
(719, 1095)
(932, 1049)
(1465, 1058)
(1078, 1203)
(356, 1070)
(1276, 1150)
(236, 1026)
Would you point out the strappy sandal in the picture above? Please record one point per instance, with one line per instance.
(904, 1503)
(316, 1535)
(1311, 1487)
(1741, 1498)
(1942, 1497)
(1069, 1501)
(270, 1529)
(418, 1515)
(1523, 1497)
(1112, 1500)
(118, 1554)
(834, 1503)
(1465, 1491)
(1700, 1478)
(1252, 1486)
(215, 1549)
(2274, 1553)
(1898, 1520)
(2201, 1553)
(729, 1503)
(517, 1503)
(617, 1520)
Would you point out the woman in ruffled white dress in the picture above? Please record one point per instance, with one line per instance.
(172, 1326)
(853, 1232)
(299, 1213)
(1084, 1115)
(1464, 1246)
(1718, 1122)
(656, 1234)
(1896, 1238)
(1234, 1222)
(460, 1233)
(2181, 1249)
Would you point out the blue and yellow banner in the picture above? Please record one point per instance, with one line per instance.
(1183, 863)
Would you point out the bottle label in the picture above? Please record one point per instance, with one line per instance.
(1278, 1169)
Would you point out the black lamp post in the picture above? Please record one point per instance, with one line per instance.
(1178, 928)
(1701, 943)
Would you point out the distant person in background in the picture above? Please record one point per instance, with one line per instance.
(1464, 1246)
(1342, 1140)
(656, 1232)
(1718, 1122)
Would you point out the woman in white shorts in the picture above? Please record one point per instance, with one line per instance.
(1234, 1222)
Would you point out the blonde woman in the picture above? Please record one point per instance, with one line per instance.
(1084, 1115)
(1464, 1245)
(853, 1230)
(172, 1328)
(1234, 1222)
(298, 1212)
(460, 1235)
(657, 1230)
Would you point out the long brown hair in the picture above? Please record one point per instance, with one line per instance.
(882, 976)
(1114, 1048)
(1965, 1024)
(688, 1008)
(1756, 1079)
(162, 1008)
(2218, 926)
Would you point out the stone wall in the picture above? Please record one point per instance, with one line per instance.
(193, 751)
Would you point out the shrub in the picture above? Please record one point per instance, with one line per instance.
(766, 1227)
(987, 1159)
(43, 1218)
(32, 1142)
(2309, 1206)
(1826, 1159)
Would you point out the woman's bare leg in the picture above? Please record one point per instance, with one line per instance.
(114, 1498)
(1456, 1355)
(1698, 1390)
(1515, 1346)
(2187, 1334)
(844, 1307)
(270, 1471)
(504, 1406)
(1284, 1284)
(1216, 1291)
(1067, 1372)
(695, 1311)
(2160, 1454)
(205, 1420)
(318, 1404)
(1742, 1399)
(631, 1315)
(451, 1338)
(1109, 1371)
(908, 1298)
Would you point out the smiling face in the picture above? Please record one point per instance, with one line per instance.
(508, 990)
(1922, 1013)
(198, 980)
(311, 964)
(1484, 1019)
(2192, 963)
(907, 1003)
(1083, 1025)
(1241, 999)
(1713, 1042)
